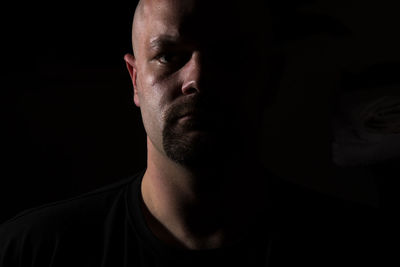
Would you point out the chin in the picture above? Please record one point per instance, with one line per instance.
(195, 149)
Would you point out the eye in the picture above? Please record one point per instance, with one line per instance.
(172, 58)
(166, 58)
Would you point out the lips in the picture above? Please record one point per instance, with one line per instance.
(186, 117)
(194, 115)
(196, 120)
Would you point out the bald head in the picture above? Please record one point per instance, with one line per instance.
(197, 56)
(137, 22)
(218, 16)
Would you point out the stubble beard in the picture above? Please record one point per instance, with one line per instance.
(183, 149)
(194, 143)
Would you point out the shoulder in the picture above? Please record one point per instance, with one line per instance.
(315, 225)
(319, 211)
(77, 221)
(85, 205)
(290, 193)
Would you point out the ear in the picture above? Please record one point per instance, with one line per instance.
(130, 61)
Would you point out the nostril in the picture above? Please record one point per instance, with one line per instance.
(190, 90)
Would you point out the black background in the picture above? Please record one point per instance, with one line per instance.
(70, 124)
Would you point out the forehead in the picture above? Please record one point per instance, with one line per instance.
(194, 19)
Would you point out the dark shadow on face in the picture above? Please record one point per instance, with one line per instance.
(231, 56)
(195, 132)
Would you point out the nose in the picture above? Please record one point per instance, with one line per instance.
(192, 75)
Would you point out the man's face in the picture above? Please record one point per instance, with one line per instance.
(191, 66)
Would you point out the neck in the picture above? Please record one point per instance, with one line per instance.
(193, 209)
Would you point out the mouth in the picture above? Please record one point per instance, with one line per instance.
(195, 121)
(192, 118)
(194, 115)
(186, 118)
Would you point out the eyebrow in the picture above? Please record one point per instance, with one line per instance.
(163, 40)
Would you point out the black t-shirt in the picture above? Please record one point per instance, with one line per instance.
(106, 228)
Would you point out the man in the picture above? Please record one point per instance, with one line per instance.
(182, 76)
(202, 201)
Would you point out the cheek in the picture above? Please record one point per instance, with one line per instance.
(166, 89)
(156, 93)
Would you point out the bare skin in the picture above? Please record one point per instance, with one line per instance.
(189, 207)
